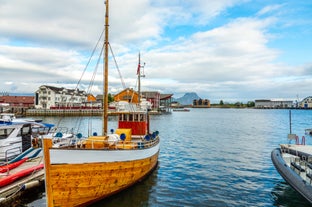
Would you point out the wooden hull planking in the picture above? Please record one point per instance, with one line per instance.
(81, 184)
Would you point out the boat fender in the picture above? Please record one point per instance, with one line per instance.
(154, 135)
(30, 185)
(59, 134)
(95, 134)
(112, 139)
(112, 131)
(79, 135)
(147, 137)
(122, 136)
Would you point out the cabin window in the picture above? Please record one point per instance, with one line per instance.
(136, 117)
(4, 133)
(141, 117)
(25, 130)
(124, 117)
(130, 117)
(120, 117)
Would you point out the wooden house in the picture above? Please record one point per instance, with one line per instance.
(128, 95)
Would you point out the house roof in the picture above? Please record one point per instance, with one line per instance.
(17, 99)
(127, 89)
(60, 90)
(165, 96)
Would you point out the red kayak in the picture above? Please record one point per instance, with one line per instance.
(8, 167)
(11, 178)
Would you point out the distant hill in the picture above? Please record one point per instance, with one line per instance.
(187, 99)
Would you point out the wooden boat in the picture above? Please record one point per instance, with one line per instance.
(99, 166)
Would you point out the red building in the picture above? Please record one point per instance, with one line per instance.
(18, 101)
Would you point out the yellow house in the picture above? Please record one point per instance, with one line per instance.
(128, 95)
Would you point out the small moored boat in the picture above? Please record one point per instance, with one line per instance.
(294, 163)
(17, 137)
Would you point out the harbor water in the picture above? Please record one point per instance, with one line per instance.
(209, 157)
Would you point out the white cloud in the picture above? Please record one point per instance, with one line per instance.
(42, 42)
(270, 9)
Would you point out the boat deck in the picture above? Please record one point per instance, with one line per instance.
(14, 190)
(298, 149)
(299, 159)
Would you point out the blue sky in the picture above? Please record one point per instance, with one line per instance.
(234, 50)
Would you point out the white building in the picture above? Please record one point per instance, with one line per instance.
(306, 102)
(50, 96)
(264, 103)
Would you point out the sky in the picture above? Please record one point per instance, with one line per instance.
(230, 50)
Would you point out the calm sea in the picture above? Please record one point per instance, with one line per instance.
(210, 157)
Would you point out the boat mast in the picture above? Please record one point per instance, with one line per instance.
(105, 73)
(139, 79)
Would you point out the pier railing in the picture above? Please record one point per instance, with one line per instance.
(64, 112)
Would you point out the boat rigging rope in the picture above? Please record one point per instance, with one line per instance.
(78, 83)
(94, 73)
(122, 81)
(94, 49)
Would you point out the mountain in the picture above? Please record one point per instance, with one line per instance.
(188, 98)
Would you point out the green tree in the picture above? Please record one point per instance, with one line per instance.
(110, 98)
(221, 102)
(238, 104)
(250, 104)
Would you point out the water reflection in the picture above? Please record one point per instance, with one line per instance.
(284, 195)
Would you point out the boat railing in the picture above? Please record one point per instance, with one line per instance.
(63, 130)
(117, 145)
(14, 150)
(38, 131)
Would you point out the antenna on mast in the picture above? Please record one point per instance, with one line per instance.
(140, 74)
